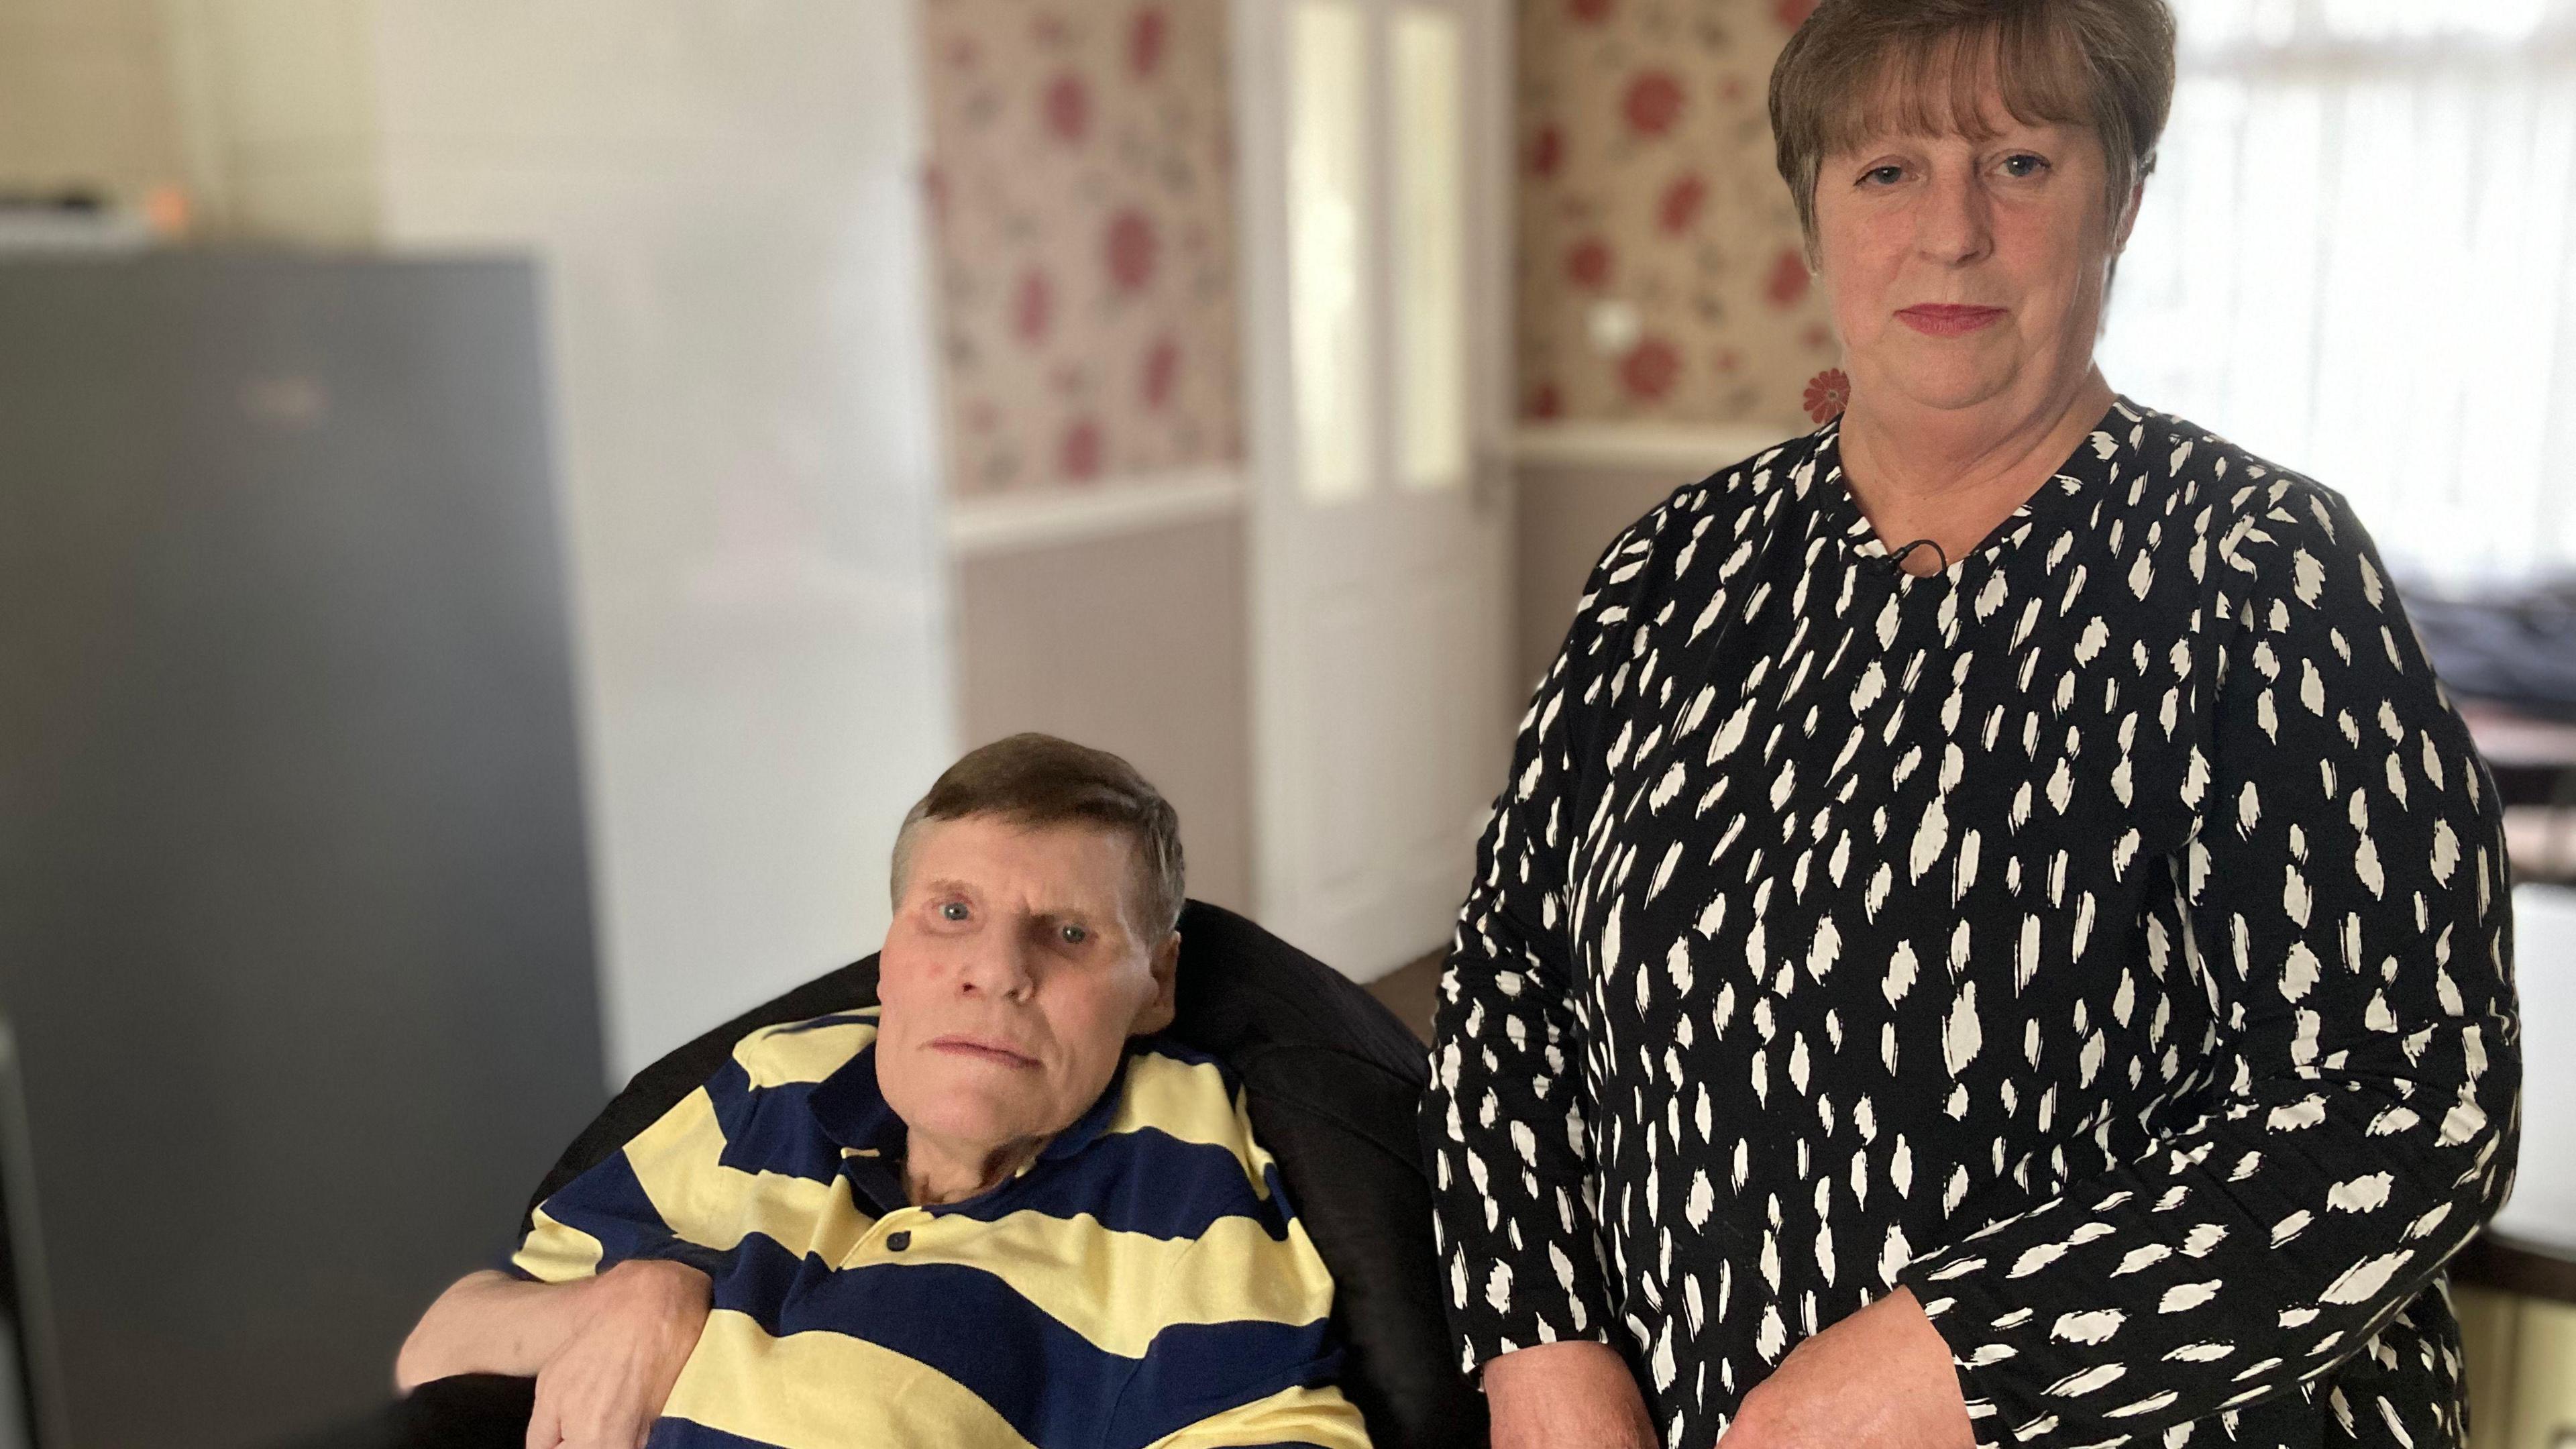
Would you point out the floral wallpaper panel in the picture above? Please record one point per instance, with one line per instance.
(1081, 191)
(1646, 183)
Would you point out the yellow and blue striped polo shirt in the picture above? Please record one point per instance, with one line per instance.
(1143, 1282)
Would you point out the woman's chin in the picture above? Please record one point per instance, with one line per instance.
(1950, 384)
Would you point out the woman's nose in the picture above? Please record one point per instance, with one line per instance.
(1952, 225)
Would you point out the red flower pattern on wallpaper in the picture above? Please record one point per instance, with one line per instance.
(1034, 309)
(1794, 13)
(1068, 108)
(1650, 368)
(1587, 265)
(1546, 149)
(1146, 35)
(1085, 239)
(1647, 180)
(1681, 203)
(1790, 278)
(1131, 250)
(1079, 458)
(1162, 369)
(1654, 102)
(1828, 393)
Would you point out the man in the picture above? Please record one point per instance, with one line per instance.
(995, 1209)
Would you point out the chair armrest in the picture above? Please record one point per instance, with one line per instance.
(469, 1411)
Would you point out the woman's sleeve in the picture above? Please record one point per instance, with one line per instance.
(2346, 893)
(1505, 1122)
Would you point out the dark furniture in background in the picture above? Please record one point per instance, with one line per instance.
(295, 943)
(1333, 1081)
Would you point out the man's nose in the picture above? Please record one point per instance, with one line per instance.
(999, 965)
(1953, 225)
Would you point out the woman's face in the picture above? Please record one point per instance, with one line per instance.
(1966, 274)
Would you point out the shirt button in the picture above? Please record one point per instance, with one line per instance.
(897, 1242)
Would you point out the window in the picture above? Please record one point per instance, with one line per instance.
(2358, 257)
(1377, 220)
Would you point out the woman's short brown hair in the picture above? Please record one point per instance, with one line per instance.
(1863, 68)
(1039, 780)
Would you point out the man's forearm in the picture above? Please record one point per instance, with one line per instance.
(492, 1323)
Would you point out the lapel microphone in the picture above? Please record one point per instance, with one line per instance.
(1896, 557)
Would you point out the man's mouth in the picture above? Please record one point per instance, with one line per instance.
(981, 1049)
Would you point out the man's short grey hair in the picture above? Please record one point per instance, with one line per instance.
(1038, 780)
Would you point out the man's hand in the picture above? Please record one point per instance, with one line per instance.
(1880, 1379)
(606, 1385)
(1575, 1395)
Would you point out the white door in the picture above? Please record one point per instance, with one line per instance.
(1371, 141)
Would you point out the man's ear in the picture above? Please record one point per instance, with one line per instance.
(1165, 1005)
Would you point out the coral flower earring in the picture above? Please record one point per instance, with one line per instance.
(1828, 393)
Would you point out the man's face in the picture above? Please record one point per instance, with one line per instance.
(1014, 972)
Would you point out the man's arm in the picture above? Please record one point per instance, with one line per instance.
(492, 1323)
(604, 1351)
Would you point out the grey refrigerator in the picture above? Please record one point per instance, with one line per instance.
(297, 994)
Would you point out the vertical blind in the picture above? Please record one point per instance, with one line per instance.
(2358, 258)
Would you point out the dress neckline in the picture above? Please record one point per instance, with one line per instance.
(2088, 466)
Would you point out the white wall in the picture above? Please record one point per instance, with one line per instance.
(726, 200)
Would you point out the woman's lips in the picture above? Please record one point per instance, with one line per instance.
(1945, 320)
(967, 1046)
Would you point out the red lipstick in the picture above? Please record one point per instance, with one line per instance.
(1942, 319)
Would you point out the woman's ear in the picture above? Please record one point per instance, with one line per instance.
(2129, 216)
(1160, 1010)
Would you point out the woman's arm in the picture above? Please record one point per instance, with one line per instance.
(1506, 1119)
(2348, 916)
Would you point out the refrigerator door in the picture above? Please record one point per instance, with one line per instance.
(295, 932)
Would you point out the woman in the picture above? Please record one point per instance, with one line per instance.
(1993, 933)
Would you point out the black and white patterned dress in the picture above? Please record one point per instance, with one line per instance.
(2107, 938)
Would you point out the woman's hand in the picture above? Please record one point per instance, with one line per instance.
(606, 1385)
(1576, 1395)
(1880, 1379)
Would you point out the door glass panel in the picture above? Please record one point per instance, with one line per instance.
(1427, 70)
(1328, 340)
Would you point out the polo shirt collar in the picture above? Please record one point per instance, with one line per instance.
(853, 1113)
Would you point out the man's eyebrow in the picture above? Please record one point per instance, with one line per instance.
(949, 885)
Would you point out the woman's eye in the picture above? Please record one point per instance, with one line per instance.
(1883, 175)
(1074, 935)
(2024, 165)
(953, 911)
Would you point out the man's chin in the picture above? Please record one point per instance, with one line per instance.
(965, 1118)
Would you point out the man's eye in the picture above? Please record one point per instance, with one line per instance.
(1074, 935)
(953, 911)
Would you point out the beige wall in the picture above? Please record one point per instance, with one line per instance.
(1659, 268)
(1567, 516)
(1135, 643)
(85, 97)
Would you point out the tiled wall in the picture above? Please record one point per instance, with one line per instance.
(1083, 203)
(1659, 273)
